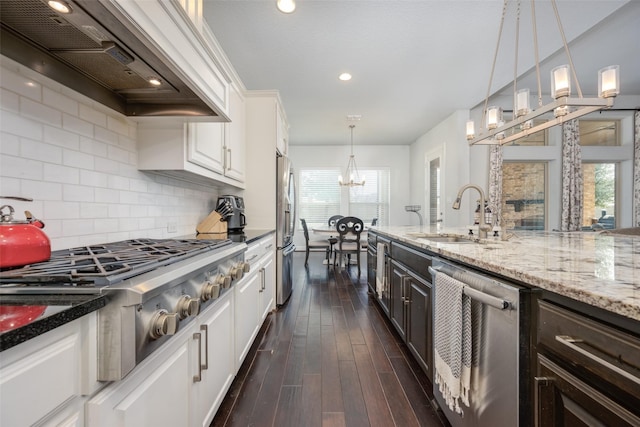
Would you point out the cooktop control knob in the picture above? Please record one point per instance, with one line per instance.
(163, 323)
(210, 290)
(187, 306)
(237, 271)
(246, 267)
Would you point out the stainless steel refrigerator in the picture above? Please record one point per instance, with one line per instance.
(285, 227)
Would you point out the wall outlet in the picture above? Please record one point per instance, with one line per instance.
(172, 227)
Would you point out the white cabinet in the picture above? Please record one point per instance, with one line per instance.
(255, 294)
(183, 384)
(235, 151)
(266, 132)
(216, 359)
(44, 380)
(205, 146)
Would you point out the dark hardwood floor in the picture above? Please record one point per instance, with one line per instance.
(328, 357)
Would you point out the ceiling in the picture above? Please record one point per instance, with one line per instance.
(414, 62)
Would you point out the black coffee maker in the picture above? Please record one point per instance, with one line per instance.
(236, 221)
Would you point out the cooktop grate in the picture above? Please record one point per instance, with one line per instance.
(108, 263)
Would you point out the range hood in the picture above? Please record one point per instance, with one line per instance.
(98, 52)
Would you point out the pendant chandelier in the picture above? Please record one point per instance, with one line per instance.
(353, 177)
(526, 121)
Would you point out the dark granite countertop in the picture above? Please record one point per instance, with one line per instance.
(37, 314)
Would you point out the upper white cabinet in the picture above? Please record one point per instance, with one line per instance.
(282, 130)
(202, 152)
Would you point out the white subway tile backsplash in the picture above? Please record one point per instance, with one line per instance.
(37, 150)
(118, 154)
(42, 190)
(106, 195)
(105, 135)
(17, 167)
(119, 211)
(40, 112)
(106, 165)
(60, 137)
(76, 125)
(94, 210)
(77, 159)
(90, 114)
(61, 210)
(9, 144)
(10, 100)
(77, 227)
(91, 146)
(93, 179)
(105, 225)
(58, 173)
(17, 125)
(20, 84)
(77, 193)
(59, 101)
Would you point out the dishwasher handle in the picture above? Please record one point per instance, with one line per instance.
(490, 300)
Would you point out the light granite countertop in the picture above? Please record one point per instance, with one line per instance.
(597, 269)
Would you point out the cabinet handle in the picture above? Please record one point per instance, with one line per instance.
(269, 246)
(252, 258)
(198, 336)
(571, 343)
(229, 164)
(205, 328)
(543, 401)
(262, 279)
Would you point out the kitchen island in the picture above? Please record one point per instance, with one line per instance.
(597, 269)
(577, 349)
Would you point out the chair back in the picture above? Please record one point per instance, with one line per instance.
(349, 229)
(305, 229)
(374, 221)
(334, 219)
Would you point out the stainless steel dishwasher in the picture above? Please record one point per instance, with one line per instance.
(498, 395)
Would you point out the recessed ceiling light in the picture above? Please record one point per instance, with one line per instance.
(154, 81)
(345, 77)
(286, 6)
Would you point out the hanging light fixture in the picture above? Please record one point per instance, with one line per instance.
(564, 107)
(352, 175)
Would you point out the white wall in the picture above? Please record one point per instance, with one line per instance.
(77, 160)
(396, 158)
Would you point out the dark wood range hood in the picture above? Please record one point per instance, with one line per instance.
(98, 52)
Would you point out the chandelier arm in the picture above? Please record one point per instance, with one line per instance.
(566, 48)
(515, 63)
(535, 49)
(493, 66)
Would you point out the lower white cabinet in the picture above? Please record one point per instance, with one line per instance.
(268, 293)
(182, 385)
(247, 313)
(44, 381)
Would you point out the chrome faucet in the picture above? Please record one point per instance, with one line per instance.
(483, 227)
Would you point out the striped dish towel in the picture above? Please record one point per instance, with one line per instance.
(453, 341)
(380, 270)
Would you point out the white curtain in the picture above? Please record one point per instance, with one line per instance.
(495, 183)
(636, 170)
(572, 187)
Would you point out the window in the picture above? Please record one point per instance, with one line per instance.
(371, 200)
(320, 196)
(599, 132)
(523, 195)
(599, 195)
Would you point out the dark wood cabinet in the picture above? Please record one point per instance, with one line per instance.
(410, 307)
(587, 372)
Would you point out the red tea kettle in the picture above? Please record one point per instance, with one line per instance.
(21, 242)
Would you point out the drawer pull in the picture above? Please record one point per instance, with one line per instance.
(571, 343)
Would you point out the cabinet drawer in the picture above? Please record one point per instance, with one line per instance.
(608, 357)
(416, 261)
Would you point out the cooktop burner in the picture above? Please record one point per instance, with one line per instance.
(100, 265)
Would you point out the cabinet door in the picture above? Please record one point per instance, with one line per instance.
(419, 338)
(397, 299)
(155, 394)
(268, 292)
(205, 145)
(246, 314)
(561, 399)
(282, 130)
(217, 362)
(235, 139)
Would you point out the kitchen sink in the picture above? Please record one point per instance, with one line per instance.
(440, 238)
